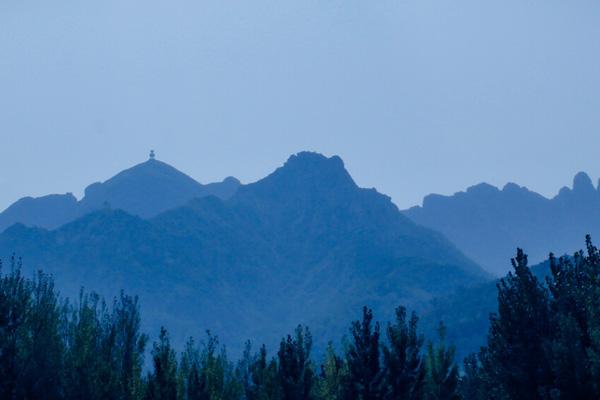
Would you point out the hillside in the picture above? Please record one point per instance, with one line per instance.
(466, 313)
(303, 245)
(145, 190)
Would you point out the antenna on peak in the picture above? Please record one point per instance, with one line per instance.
(152, 155)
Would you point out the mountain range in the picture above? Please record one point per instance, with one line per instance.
(302, 245)
(146, 190)
(488, 223)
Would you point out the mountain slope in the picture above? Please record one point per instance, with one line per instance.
(488, 224)
(303, 245)
(146, 190)
(47, 211)
(466, 313)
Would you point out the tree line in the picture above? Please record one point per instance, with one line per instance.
(543, 343)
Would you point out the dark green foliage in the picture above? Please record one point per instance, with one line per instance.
(50, 349)
(441, 381)
(334, 373)
(544, 341)
(87, 350)
(221, 379)
(104, 349)
(404, 369)
(30, 337)
(517, 360)
(15, 298)
(192, 380)
(365, 376)
(162, 382)
(543, 344)
(574, 286)
(260, 378)
(296, 373)
(472, 384)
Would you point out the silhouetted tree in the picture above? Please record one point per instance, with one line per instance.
(260, 377)
(334, 372)
(574, 286)
(362, 355)
(404, 368)
(127, 356)
(162, 381)
(441, 382)
(192, 380)
(516, 359)
(296, 374)
(15, 298)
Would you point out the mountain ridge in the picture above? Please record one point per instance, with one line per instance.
(488, 223)
(146, 189)
(302, 245)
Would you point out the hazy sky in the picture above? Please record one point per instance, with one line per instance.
(417, 96)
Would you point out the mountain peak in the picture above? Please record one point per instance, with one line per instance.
(313, 172)
(145, 189)
(310, 158)
(582, 183)
(317, 167)
(483, 189)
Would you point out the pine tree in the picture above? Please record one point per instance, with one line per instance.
(574, 285)
(472, 384)
(441, 382)
(404, 368)
(362, 356)
(296, 375)
(516, 361)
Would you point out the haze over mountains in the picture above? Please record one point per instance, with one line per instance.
(303, 245)
(488, 223)
(146, 190)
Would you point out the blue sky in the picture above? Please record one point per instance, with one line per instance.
(416, 96)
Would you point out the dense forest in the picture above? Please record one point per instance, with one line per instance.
(543, 343)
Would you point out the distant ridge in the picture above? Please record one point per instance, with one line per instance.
(302, 245)
(488, 223)
(145, 189)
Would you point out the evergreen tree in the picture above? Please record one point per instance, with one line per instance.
(362, 355)
(574, 286)
(516, 362)
(296, 375)
(192, 381)
(221, 381)
(260, 377)
(15, 298)
(42, 346)
(333, 375)
(472, 384)
(129, 347)
(162, 382)
(83, 338)
(31, 346)
(404, 369)
(441, 381)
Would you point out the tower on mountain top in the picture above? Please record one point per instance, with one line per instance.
(152, 155)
